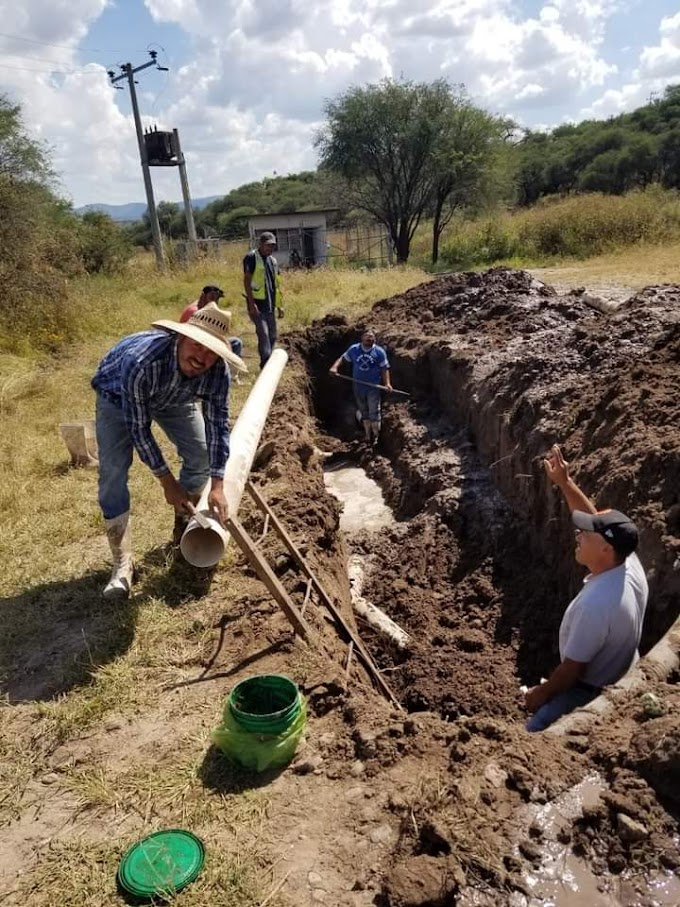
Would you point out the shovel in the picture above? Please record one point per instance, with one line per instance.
(379, 387)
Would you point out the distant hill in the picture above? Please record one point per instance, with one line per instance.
(134, 210)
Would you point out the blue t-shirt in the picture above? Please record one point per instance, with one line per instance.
(367, 365)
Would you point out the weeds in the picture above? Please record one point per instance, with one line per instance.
(580, 226)
(67, 662)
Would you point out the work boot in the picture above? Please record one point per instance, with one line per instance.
(375, 431)
(181, 523)
(120, 542)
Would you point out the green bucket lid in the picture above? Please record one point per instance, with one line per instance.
(161, 864)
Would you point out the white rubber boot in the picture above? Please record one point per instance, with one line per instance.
(118, 533)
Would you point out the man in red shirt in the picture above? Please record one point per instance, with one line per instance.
(210, 293)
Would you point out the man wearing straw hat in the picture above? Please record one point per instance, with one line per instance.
(158, 376)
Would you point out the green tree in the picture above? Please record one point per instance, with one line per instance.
(170, 219)
(37, 237)
(616, 155)
(104, 247)
(234, 224)
(382, 139)
(21, 157)
(466, 162)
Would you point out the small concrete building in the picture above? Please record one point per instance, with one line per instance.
(301, 235)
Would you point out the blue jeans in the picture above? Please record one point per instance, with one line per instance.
(559, 705)
(182, 423)
(265, 327)
(368, 401)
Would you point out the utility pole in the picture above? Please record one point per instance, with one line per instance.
(129, 73)
(188, 210)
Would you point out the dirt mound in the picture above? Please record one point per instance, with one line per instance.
(480, 568)
(655, 754)
(514, 367)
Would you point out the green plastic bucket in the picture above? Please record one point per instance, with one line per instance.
(265, 703)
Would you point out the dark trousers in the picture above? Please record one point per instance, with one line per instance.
(265, 327)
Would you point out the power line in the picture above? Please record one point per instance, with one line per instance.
(96, 50)
(58, 72)
(43, 59)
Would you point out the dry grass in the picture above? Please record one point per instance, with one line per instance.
(82, 874)
(635, 267)
(562, 229)
(70, 665)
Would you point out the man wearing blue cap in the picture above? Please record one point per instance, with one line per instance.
(600, 631)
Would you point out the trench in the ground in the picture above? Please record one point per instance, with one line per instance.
(442, 551)
(457, 569)
(467, 569)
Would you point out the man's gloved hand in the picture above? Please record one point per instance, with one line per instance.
(279, 311)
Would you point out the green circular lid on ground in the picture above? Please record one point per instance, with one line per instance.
(161, 864)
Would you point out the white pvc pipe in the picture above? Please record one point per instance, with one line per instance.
(204, 547)
(370, 612)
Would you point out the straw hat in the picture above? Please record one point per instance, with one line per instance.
(208, 326)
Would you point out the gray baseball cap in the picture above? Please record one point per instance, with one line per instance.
(267, 237)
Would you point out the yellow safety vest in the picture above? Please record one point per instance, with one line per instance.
(259, 282)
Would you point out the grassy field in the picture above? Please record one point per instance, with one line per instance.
(634, 267)
(560, 231)
(72, 669)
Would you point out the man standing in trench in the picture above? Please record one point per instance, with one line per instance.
(601, 628)
(370, 365)
(159, 376)
(263, 293)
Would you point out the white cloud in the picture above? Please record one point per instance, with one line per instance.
(615, 101)
(250, 97)
(663, 61)
(658, 66)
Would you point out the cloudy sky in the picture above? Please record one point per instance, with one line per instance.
(247, 78)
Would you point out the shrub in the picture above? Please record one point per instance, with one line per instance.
(585, 225)
(577, 226)
(104, 247)
(34, 240)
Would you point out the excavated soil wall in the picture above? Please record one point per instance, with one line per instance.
(479, 567)
(500, 366)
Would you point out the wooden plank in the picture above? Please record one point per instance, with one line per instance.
(361, 650)
(268, 577)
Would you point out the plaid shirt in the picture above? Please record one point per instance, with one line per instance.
(141, 376)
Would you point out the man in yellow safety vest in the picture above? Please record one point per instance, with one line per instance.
(263, 293)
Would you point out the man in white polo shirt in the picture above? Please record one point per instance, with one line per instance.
(601, 628)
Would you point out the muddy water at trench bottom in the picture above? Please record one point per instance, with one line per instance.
(364, 506)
